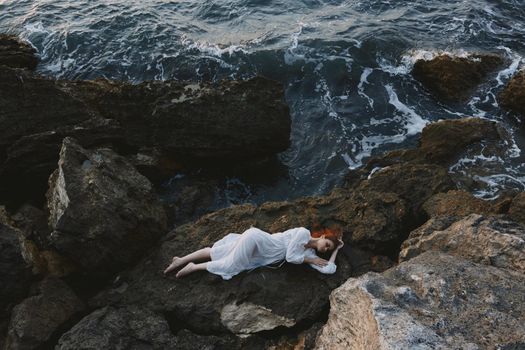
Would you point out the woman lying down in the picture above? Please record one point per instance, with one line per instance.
(254, 248)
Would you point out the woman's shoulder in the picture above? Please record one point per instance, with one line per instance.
(302, 230)
(297, 230)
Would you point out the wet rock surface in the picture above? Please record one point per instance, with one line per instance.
(444, 141)
(513, 96)
(16, 54)
(434, 301)
(40, 317)
(180, 122)
(103, 213)
(104, 222)
(453, 79)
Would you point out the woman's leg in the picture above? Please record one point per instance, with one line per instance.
(201, 254)
(190, 268)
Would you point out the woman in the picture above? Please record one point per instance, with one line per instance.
(253, 248)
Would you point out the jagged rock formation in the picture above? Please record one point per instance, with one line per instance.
(103, 213)
(444, 141)
(434, 301)
(16, 54)
(513, 96)
(167, 122)
(15, 274)
(453, 79)
(491, 241)
(37, 319)
(106, 221)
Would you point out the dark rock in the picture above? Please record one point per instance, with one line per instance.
(33, 231)
(453, 79)
(513, 96)
(193, 199)
(517, 208)
(32, 105)
(372, 216)
(444, 141)
(104, 214)
(491, 241)
(239, 119)
(35, 156)
(434, 301)
(16, 54)
(177, 122)
(15, 274)
(263, 299)
(414, 183)
(38, 318)
(135, 328)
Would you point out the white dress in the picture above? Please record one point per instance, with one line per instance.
(253, 248)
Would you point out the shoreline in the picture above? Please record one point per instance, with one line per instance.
(89, 254)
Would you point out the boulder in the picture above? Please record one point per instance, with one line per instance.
(260, 301)
(237, 119)
(513, 95)
(453, 79)
(456, 203)
(32, 231)
(445, 141)
(16, 54)
(15, 274)
(373, 216)
(39, 318)
(35, 156)
(487, 240)
(433, 301)
(414, 183)
(134, 328)
(103, 213)
(517, 208)
(179, 123)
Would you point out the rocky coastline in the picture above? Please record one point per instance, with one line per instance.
(84, 236)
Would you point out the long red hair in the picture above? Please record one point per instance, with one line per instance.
(333, 233)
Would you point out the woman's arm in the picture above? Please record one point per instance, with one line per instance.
(323, 265)
(336, 250)
(315, 261)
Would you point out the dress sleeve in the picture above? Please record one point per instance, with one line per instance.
(329, 268)
(295, 250)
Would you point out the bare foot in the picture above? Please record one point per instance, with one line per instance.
(176, 263)
(186, 270)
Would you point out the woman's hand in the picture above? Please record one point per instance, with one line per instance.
(341, 244)
(319, 262)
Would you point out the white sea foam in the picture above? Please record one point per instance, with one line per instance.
(413, 123)
(494, 183)
(360, 87)
(412, 56)
(290, 55)
(363, 148)
(212, 49)
(510, 70)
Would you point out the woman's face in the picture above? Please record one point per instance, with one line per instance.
(324, 245)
